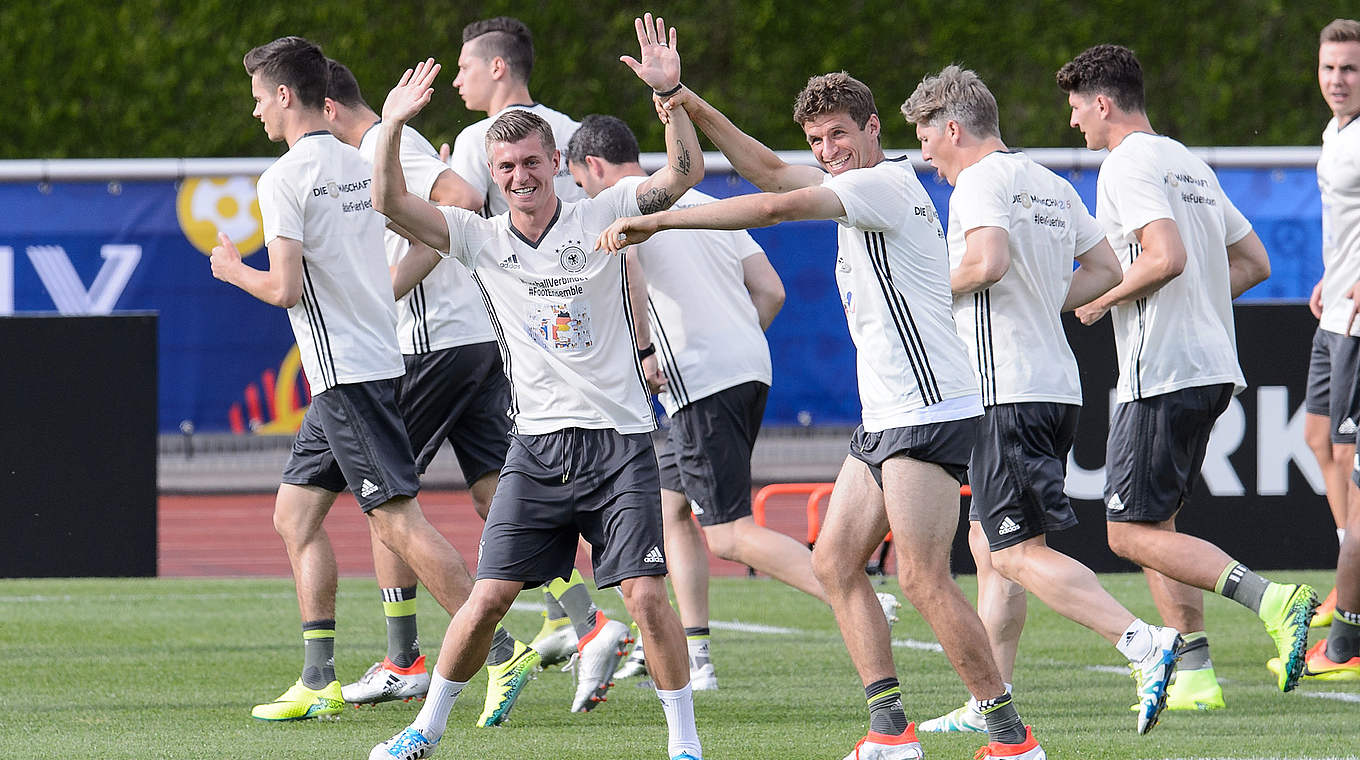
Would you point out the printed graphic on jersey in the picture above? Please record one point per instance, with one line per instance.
(209, 205)
(561, 327)
(572, 258)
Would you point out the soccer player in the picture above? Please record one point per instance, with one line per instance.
(454, 389)
(494, 66)
(1338, 656)
(1186, 252)
(1333, 403)
(1014, 230)
(581, 461)
(920, 399)
(326, 268)
(709, 296)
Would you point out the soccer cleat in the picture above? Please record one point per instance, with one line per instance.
(1286, 611)
(597, 656)
(556, 640)
(703, 678)
(889, 604)
(1152, 675)
(1029, 749)
(410, 744)
(302, 703)
(960, 720)
(504, 682)
(876, 746)
(385, 682)
(1194, 690)
(685, 756)
(636, 664)
(1325, 611)
(1317, 666)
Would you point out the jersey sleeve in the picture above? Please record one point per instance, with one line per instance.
(469, 159)
(280, 208)
(871, 198)
(420, 163)
(1136, 194)
(980, 199)
(621, 199)
(469, 233)
(1235, 223)
(1088, 232)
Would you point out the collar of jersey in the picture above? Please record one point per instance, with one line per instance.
(532, 244)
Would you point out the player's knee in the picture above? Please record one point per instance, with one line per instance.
(723, 541)
(1122, 540)
(644, 596)
(919, 575)
(830, 567)
(489, 602)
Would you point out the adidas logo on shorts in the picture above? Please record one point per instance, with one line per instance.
(654, 557)
(1115, 504)
(1347, 427)
(368, 488)
(1007, 526)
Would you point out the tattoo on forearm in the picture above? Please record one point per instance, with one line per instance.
(654, 200)
(682, 158)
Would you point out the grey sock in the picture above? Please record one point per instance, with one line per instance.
(1195, 653)
(885, 707)
(1343, 639)
(580, 608)
(555, 611)
(1003, 722)
(403, 641)
(1244, 587)
(502, 647)
(318, 653)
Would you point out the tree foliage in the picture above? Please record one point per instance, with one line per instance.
(162, 78)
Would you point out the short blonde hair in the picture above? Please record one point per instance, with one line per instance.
(513, 126)
(954, 94)
(1340, 30)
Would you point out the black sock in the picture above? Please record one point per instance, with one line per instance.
(885, 707)
(318, 653)
(1003, 722)
(502, 646)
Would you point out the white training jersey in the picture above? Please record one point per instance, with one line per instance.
(1338, 174)
(704, 326)
(1181, 336)
(445, 309)
(1014, 329)
(345, 322)
(470, 160)
(892, 270)
(561, 313)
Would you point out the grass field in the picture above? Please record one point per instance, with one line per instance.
(170, 668)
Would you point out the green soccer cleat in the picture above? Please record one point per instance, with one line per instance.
(1194, 690)
(302, 703)
(1286, 610)
(504, 682)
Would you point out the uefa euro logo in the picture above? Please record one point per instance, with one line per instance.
(209, 205)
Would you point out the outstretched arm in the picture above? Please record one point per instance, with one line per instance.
(390, 197)
(738, 213)
(660, 69)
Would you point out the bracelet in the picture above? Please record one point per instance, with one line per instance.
(677, 88)
(643, 353)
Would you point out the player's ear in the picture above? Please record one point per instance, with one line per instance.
(872, 126)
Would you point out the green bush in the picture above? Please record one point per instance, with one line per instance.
(158, 78)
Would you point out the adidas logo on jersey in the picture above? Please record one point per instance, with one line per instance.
(1115, 504)
(512, 262)
(1347, 427)
(654, 557)
(368, 488)
(1007, 526)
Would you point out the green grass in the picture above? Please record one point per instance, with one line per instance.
(170, 668)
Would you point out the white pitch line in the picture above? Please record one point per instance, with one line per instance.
(1339, 696)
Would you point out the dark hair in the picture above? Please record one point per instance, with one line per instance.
(515, 125)
(606, 137)
(507, 38)
(295, 63)
(1111, 70)
(343, 87)
(1340, 30)
(834, 93)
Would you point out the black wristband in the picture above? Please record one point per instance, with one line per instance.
(643, 353)
(677, 88)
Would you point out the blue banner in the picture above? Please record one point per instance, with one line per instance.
(227, 361)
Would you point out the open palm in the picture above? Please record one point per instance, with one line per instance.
(660, 65)
(412, 92)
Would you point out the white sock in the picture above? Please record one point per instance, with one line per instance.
(1136, 643)
(973, 703)
(434, 716)
(679, 708)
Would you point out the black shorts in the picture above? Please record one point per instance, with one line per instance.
(1334, 383)
(459, 395)
(708, 452)
(947, 444)
(1019, 469)
(599, 484)
(353, 437)
(1155, 450)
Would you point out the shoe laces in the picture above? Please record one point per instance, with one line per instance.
(573, 663)
(372, 674)
(408, 740)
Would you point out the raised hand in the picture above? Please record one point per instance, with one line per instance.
(411, 94)
(660, 65)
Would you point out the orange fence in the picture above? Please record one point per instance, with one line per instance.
(816, 493)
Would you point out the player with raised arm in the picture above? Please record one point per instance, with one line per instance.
(1337, 658)
(1014, 230)
(920, 398)
(454, 389)
(326, 268)
(494, 66)
(1333, 403)
(1186, 252)
(581, 461)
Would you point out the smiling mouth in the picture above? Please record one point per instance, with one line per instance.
(523, 192)
(838, 163)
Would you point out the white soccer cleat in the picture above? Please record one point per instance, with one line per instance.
(1152, 674)
(635, 665)
(595, 661)
(410, 744)
(960, 720)
(890, 606)
(703, 678)
(876, 746)
(555, 642)
(385, 682)
(1029, 749)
